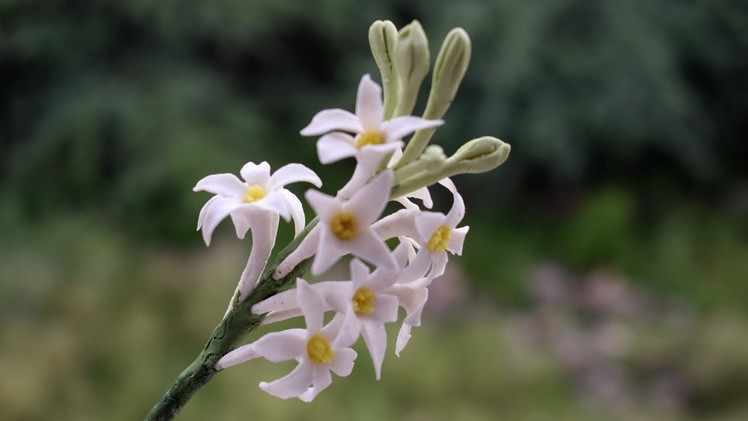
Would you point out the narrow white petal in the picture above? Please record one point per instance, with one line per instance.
(457, 239)
(348, 331)
(365, 168)
(311, 305)
(385, 309)
(219, 210)
(321, 379)
(333, 119)
(227, 185)
(274, 202)
(241, 222)
(342, 365)
(279, 316)
(323, 205)
(359, 274)
(204, 210)
(457, 212)
(369, 202)
(297, 210)
(397, 224)
(417, 268)
(399, 127)
(256, 173)
(371, 248)
(329, 251)
(369, 107)
(424, 196)
(293, 173)
(238, 356)
(427, 223)
(375, 338)
(335, 146)
(439, 263)
(293, 384)
(403, 337)
(282, 346)
(305, 250)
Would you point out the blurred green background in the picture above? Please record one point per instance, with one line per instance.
(605, 274)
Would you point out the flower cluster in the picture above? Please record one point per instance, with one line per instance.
(393, 258)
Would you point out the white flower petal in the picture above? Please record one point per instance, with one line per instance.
(292, 173)
(399, 127)
(204, 210)
(329, 120)
(279, 316)
(397, 224)
(457, 212)
(403, 337)
(438, 264)
(367, 161)
(335, 146)
(427, 223)
(311, 305)
(321, 379)
(256, 174)
(417, 268)
(342, 365)
(369, 107)
(241, 222)
(221, 184)
(293, 384)
(305, 250)
(368, 246)
(375, 338)
(424, 196)
(329, 251)
(282, 346)
(325, 206)
(457, 239)
(275, 203)
(264, 231)
(369, 202)
(238, 356)
(219, 210)
(385, 308)
(297, 210)
(359, 274)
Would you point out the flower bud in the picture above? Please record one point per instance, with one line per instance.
(479, 155)
(449, 70)
(412, 61)
(383, 41)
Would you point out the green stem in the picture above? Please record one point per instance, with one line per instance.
(235, 325)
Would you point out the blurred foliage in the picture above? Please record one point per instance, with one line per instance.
(119, 107)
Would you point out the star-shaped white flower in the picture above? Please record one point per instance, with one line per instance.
(255, 203)
(367, 306)
(368, 130)
(345, 227)
(258, 193)
(317, 349)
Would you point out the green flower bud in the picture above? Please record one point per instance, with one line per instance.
(412, 61)
(479, 155)
(383, 41)
(450, 67)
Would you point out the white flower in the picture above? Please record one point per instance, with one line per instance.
(255, 203)
(345, 227)
(317, 349)
(371, 132)
(367, 307)
(258, 193)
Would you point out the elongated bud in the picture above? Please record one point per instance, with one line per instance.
(476, 156)
(383, 41)
(412, 61)
(479, 155)
(449, 70)
(450, 67)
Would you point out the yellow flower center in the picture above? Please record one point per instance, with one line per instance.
(439, 240)
(254, 193)
(344, 225)
(363, 301)
(371, 137)
(319, 350)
